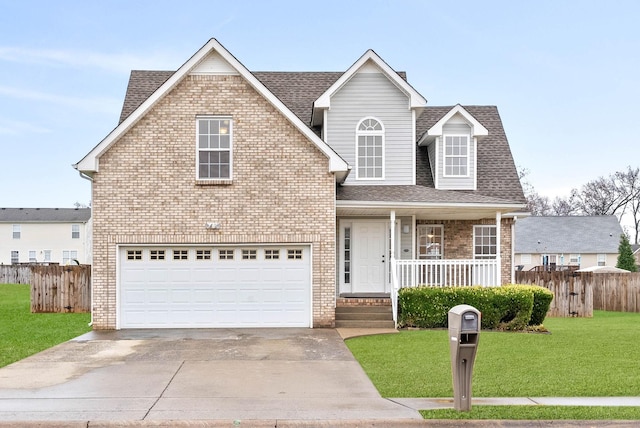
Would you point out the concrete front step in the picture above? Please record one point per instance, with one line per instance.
(365, 324)
(363, 309)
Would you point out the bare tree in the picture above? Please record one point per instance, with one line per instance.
(630, 183)
(602, 196)
(564, 206)
(536, 204)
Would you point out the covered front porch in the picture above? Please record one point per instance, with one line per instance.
(382, 250)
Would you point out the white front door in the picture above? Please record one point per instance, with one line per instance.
(370, 256)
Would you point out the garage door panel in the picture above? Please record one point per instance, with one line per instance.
(211, 291)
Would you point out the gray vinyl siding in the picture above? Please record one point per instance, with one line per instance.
(373, 95)
(456, 183)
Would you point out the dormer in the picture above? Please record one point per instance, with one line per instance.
(452, 143)
(368, 117)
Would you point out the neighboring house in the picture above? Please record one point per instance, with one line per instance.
(45, 235)
(567, 242)
(227, 197)
(636, 253)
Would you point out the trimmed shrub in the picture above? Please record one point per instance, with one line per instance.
(510, 307)
(542, 298)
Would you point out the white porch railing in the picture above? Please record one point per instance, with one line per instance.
(440, 273)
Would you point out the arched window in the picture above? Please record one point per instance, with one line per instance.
(370, 149)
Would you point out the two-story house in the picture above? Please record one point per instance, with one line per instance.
(226, 197)
(45, 235)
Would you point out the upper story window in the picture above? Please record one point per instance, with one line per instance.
(485, 242)
(16, 231)
(75, 231)
(369, 149)
(456, 155)
(215, 143)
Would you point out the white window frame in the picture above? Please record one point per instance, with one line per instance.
(15, 257)
(574, 259)
(75, 231)
(69, 255)
(433, 237)
(601, 259)
(446, 157)
(525, 259)
(370, 133)
(33, 258)
(47, 255)
(483, 244)
(218, 149)
(17, 231)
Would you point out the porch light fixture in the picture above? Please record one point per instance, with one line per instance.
(212, 226)
(405, 229)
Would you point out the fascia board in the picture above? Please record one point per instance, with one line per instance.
(90, 162)
(390, 204)
(415, 99)
(478, 129)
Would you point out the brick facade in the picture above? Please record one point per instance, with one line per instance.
(458, 240)
(146, 189)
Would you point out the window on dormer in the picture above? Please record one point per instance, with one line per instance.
(456, 155)
(369, 149)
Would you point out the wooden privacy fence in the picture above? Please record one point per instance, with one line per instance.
(15, 274)
(54, 288)
(579, 293)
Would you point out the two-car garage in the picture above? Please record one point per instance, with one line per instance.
(178, 286)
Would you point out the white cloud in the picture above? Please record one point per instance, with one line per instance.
(16, 127)
(112, 62)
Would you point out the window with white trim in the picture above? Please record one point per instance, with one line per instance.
(272, 254)
(369, 149)
(75, 231)
(249, 254)
(294, 254)
(225, 254)
(32, 256)
(16, 231)
(456, 155)
(525, 259)
(157, 254)
(347, 255)
(602, 259)
(15, 257)
(47, 255)
(485, 242)
(574, 259)
(214, 148)
(430, 241)
(203, 254)
(69, 256)
(180, 254)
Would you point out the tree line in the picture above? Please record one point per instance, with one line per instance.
(617, 194)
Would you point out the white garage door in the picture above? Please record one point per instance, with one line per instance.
(177, 287)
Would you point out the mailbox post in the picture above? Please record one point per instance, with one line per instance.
(464, 329)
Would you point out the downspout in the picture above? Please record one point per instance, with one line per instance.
(86, 177)
(513, 250)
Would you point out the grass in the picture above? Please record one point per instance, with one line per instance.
(23, 333)
(582, 357)
(537, 413)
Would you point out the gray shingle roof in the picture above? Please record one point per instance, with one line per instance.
(45, 215)
(568, 234)
(497, 175)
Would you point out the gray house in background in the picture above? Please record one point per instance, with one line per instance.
(566, 242)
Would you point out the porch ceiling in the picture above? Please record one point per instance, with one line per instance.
(427, 211)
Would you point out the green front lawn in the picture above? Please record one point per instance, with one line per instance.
(586, 357)
(23, 333)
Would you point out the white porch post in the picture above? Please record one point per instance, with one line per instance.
(498, 249)
(392, 228)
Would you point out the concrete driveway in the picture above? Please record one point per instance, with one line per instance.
(221, 374)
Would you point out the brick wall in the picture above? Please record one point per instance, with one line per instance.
(146, 189)
(458, 240)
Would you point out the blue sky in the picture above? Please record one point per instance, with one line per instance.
(565, 75)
